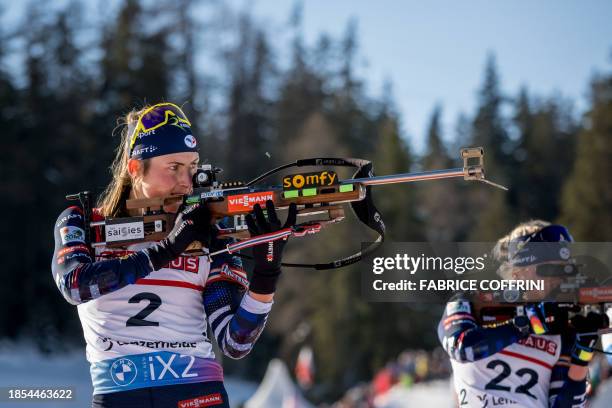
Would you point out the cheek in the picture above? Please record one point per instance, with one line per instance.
(157, 184)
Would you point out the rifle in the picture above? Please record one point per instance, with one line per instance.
(578, 297)
(319, 194)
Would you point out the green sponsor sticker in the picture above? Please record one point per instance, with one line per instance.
(291, 194)
(309, 192)
(345, 188)
(193, 199)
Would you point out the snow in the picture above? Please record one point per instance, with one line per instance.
(434, 394)
(21, 365)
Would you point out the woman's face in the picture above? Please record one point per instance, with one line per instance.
(167, 175)
(529, 273)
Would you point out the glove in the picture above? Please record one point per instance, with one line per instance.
(582, 353)
(191, 224)
(267, 257)
(547, 317)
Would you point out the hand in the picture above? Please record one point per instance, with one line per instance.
(583, 347)
(547, 317)
(267, 257)
(193, 223)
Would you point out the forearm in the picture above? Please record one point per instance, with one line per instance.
(236, 320)
(571, 395)
(83, 281)
(478, 342)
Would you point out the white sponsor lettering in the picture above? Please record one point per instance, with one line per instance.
(249, 201)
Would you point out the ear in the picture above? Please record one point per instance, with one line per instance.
(134, 168)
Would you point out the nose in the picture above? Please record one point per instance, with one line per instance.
(184, 180)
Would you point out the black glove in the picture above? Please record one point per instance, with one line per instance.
(267, 257)
(582, 352)
(191, 224)
(547, 317)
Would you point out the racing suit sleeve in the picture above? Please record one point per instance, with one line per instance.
(236, 319)
(78, 277)
(565, 392)
(465, 340)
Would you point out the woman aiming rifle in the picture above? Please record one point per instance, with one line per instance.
(145, 308)
(533, 360)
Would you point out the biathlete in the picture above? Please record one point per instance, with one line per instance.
(145, 309)
(533, 359)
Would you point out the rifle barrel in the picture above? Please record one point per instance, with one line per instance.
(408, 177)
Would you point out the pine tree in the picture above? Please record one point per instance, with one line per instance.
(489, 210)
(587, 195)
(544, 156)
(439, 200)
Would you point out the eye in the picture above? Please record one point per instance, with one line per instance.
(173, 167)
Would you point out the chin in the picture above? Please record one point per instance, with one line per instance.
(171, 209)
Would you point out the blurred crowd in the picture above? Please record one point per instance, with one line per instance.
(411, 367)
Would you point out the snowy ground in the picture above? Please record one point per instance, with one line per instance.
(20, 367)
(435, 394)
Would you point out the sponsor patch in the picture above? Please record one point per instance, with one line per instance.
(245, 202)
(80, 248)
(227, 271)
(212, 194)
(305, 180)
(459, 306)
(203, 401)
(190, 141)
(67, 218)
(123, 231)
(70, 234)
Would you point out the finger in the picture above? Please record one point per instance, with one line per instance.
(272, 217)
(262, 223)
(291, 216)
(251, 224)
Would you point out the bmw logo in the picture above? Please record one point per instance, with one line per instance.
(123, 372)
(190, 141)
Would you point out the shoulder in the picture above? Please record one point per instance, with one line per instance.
(459, 303)
(71, 215)
(70, 226)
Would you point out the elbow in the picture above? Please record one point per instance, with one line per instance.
(72, 296)
(69, 291)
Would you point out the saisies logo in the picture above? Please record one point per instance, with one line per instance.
(124, 231)
(240, 203)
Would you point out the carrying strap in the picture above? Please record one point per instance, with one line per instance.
(365, 210)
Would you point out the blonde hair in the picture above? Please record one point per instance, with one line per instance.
(112, 201)
(500, 252)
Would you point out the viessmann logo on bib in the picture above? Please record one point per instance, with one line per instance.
(245, 202)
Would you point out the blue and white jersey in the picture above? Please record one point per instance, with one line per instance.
(146, 328)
